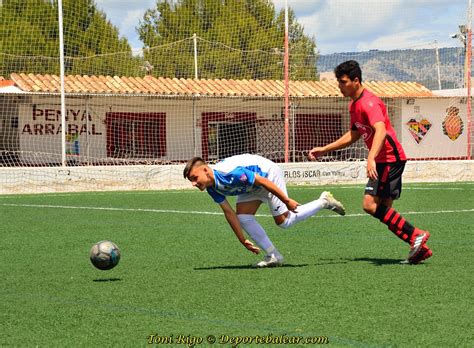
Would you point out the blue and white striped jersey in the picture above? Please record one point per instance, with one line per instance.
(236, 175)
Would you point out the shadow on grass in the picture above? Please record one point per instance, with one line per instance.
(325, 262)
(107, 280)
(376, 261)
(245, 267)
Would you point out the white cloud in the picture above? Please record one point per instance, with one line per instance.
(121, 5)
(132, 18)
(130, 22)
(339, 18)
(299, 6)
(343, 25)
(340, 25)
(408, 39)
(125, 15)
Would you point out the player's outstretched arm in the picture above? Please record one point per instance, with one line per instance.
(271, 187)
(345, 140)
(234, 223)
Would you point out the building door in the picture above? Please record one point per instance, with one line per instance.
(227, 139)
(136, 135)
(313, 130)
(228, 134)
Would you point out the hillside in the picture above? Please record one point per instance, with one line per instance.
(404, 65)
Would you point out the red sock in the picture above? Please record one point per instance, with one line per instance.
(395, 222)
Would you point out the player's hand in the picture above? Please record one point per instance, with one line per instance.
(292, 205)
(315, 153)
(249, 245)
(371, 169)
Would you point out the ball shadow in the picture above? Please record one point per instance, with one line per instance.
(107, 280)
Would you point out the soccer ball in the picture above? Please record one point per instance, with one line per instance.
(105, 255)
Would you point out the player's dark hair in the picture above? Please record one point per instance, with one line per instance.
(195, 161)
(350, 68)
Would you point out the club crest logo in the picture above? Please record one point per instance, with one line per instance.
(365, 131)
(243, 178)
(452, 124)
(418, 129)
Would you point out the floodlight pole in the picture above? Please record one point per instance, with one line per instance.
(287, 88)
(438, 64)
(61, 74)
(196, 76)
(468, 77)
(195, 56)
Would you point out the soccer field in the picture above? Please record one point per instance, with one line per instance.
(184, 274)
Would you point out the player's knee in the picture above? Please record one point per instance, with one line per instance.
(369, 204)
(369, 208)
(282, 220)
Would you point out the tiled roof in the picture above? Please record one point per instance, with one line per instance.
(149, 85)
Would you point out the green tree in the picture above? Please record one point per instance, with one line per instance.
(236, 39)
(29, 39)
(28, 28)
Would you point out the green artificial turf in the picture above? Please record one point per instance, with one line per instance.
(183, 276)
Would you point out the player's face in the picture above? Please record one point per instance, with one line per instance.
(348, 87)
(200, 177)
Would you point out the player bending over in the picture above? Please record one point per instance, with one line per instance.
(254, 179)
(385, 162)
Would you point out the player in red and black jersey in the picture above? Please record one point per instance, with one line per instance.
(385, 162)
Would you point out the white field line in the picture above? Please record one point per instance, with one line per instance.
(406, 187)
(195, 212)
(361, 187)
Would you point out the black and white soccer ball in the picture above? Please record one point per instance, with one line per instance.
(105, 255)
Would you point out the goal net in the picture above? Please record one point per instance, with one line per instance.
(145, 89)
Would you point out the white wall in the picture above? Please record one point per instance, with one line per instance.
(183, 117)
(115, 178)
(39, 125)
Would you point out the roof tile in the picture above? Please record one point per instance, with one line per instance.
(207, 87)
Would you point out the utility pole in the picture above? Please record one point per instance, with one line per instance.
(465, 36)
(468, 73)
(438, 64)
(195, 56)
(287, 88)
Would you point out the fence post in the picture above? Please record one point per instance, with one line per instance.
(468, 77)
(287, 87)
(195, 57)
(61, 74)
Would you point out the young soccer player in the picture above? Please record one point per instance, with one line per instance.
(385, 162)
(254, 179)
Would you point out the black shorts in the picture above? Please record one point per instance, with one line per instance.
(389, 182)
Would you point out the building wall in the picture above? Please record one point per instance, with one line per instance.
(39, 123)
(39, 139)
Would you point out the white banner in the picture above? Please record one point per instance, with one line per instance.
(434, 128)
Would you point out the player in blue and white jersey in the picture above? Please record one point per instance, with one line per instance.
(254, 179)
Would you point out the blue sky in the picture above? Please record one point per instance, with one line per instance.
(342, 25)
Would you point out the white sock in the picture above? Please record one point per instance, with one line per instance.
(257, 233)
(303, 212)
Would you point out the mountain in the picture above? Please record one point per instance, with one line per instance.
(414, 65)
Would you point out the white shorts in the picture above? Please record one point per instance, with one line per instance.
(276, 206)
